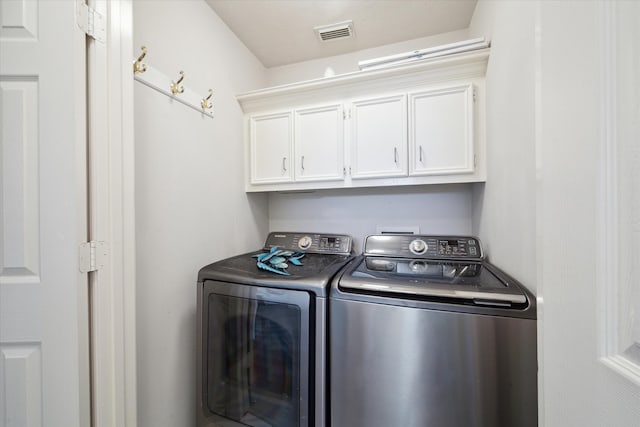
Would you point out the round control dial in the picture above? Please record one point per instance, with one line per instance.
(305, 242)
(418, 246)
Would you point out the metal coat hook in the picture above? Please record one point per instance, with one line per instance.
(204, 102)
(176, 87)
(138, 66)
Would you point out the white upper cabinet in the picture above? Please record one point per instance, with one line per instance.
(379, 137)
(413, 124)
(441, 131)
(271, 138)
(318, 143)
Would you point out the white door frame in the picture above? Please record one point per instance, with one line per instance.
(112, 217)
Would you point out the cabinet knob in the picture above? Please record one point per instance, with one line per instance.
(302, 163)
(284, 164)
(395, 155)
(420, 153)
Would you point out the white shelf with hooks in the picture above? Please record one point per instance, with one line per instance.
(173, 88)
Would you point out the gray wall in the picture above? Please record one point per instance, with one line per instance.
(191, 208)
(433, 209)
(504, 208)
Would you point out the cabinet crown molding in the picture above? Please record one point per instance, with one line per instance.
(424, 72)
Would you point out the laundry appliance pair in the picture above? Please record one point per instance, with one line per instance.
(417, 331)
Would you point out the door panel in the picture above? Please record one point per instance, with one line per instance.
(21, 189)
(379, 137)
(271, 147)
(43, 323)
(22, 376)
(319, 143)
(441, 131)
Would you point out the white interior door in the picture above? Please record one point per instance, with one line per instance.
(589, 207)
(44, 372)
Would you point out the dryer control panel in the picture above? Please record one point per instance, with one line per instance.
(421, 246)
(338, 244)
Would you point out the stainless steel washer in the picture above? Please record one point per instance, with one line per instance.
(426, 333)
(262, 336)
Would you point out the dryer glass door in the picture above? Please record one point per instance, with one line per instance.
(257, 355)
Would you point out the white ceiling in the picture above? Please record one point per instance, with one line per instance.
(281, 32)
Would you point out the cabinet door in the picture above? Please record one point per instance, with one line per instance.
(441, 131)
(271, 147)
(319, 136)
(379, 137)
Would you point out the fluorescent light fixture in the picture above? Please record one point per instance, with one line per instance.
(432, 52)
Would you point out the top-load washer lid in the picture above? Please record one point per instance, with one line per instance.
(324, 256)
(434, 268)
(433, 280)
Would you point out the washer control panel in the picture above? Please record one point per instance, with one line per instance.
(418, 246)
(338, 244)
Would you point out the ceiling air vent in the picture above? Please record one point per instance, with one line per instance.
(341, 30)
